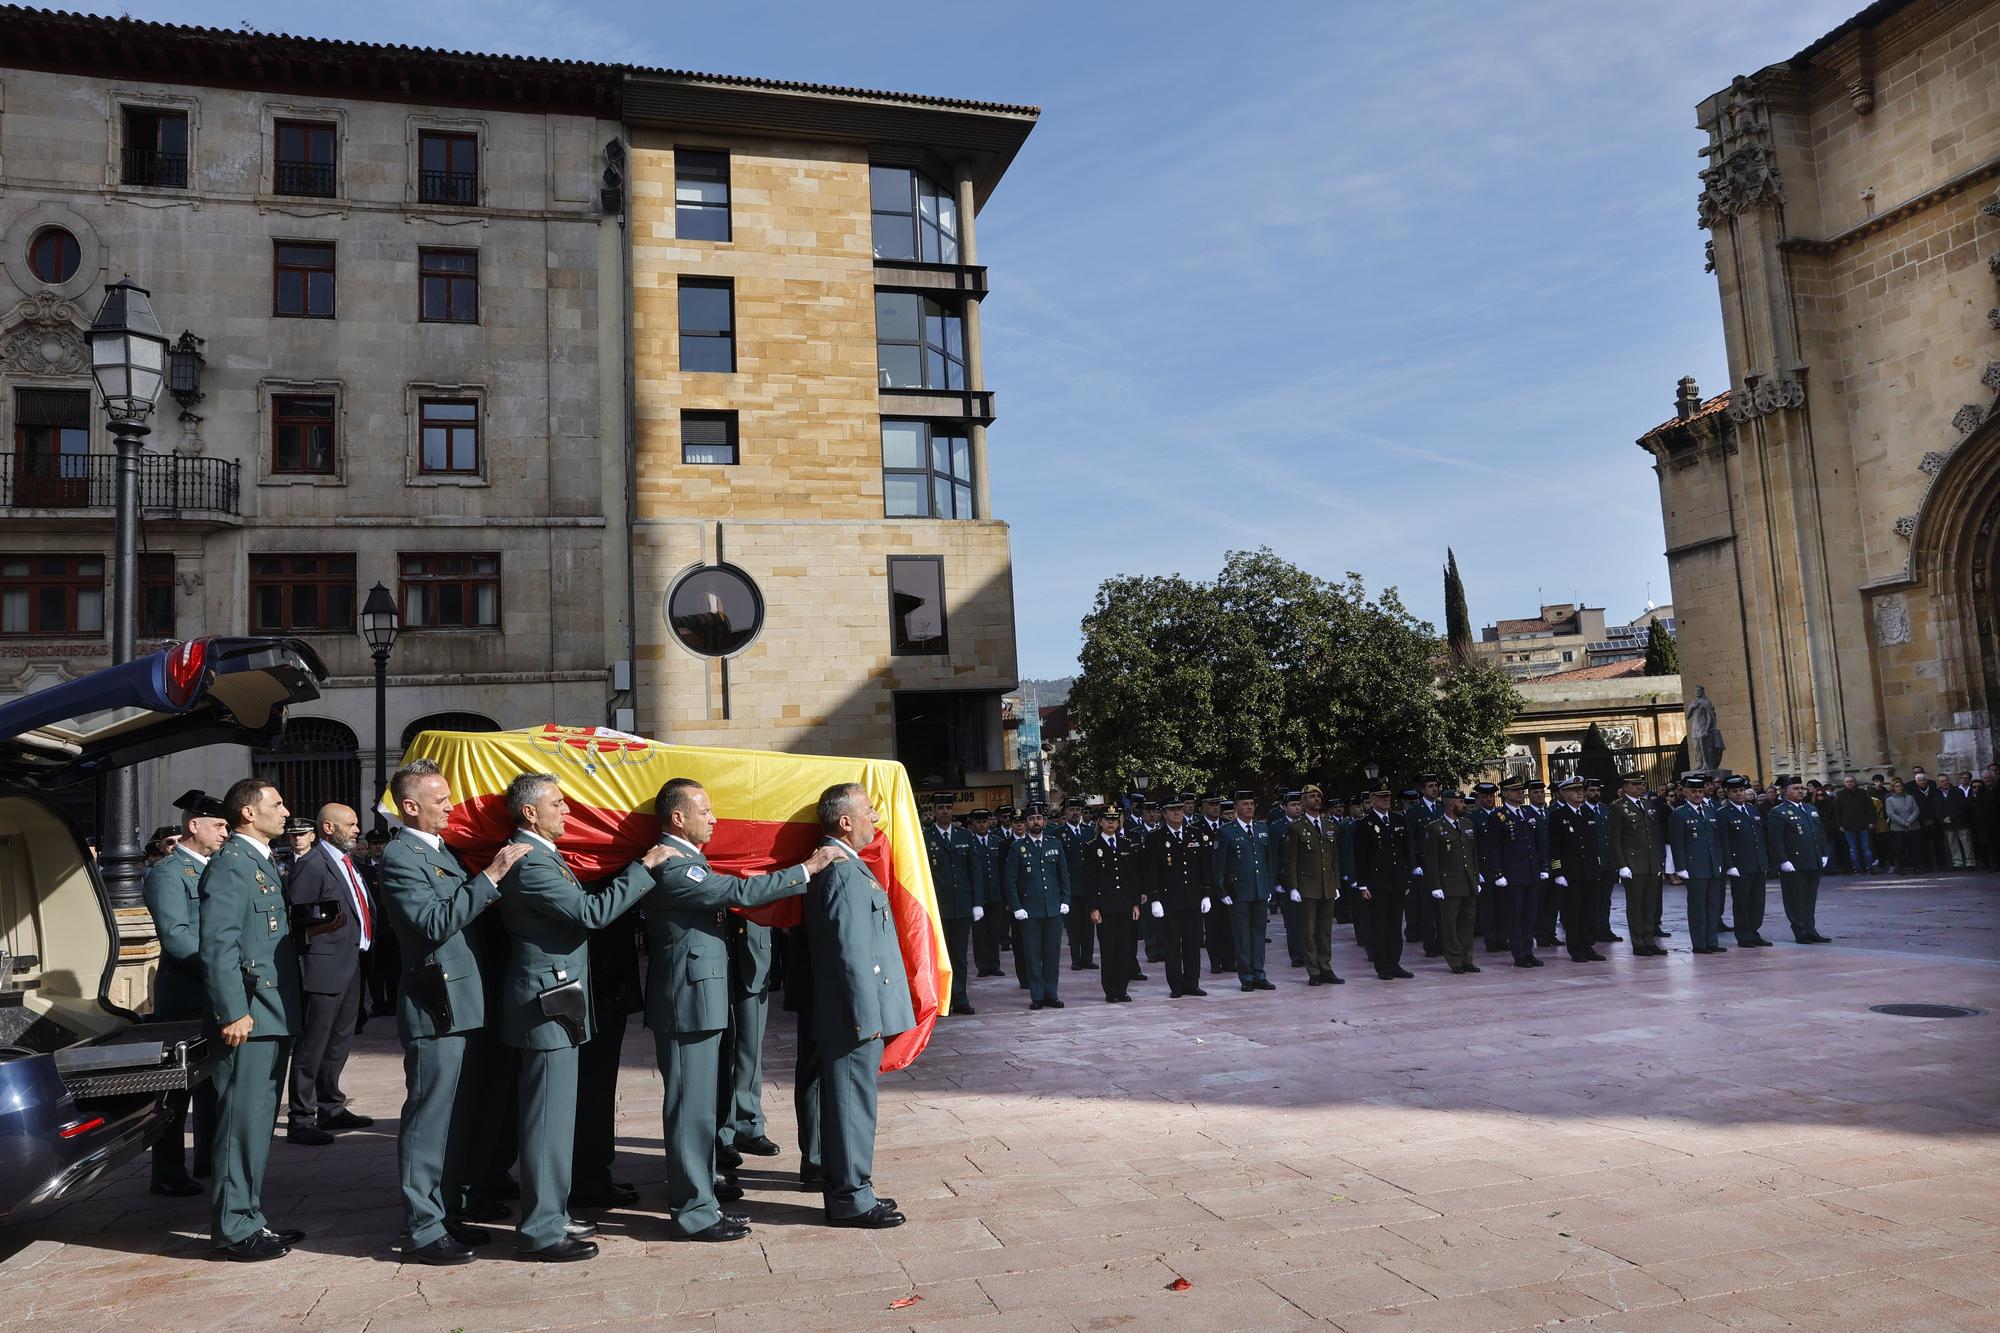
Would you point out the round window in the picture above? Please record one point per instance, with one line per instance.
(715, 610)
(53, 255)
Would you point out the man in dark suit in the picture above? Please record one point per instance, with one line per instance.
(861, 997)
(330, 971)
(1576, 870)
(1379, 873)
(173, 897)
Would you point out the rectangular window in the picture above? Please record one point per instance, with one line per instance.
(52, 448)
(302, 594)
(156, 597)
(448, 167)
(708, 437)
(450, 431)
(914, 217)
(302, 280)
(708, 325)
(919, 343)
(926, 470)
(51, 594)
(156, 148)
(916, 606)
(305, 158)
(302, 434)
(448, 286)
(943, 737)
(701, 195)
(450, 591)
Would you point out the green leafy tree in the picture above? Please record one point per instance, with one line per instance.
(1663, 655)
(1457, 619)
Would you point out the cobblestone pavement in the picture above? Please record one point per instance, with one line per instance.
(1678, 1144)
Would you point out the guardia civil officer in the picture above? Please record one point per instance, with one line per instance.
(961, 894)
(1515, 867)
(1492, 925)
(1639, 852)
(1575, 870)
(1420, 908)
(1179, 886)
(1741, 825)
(1451, 870)
(992, 928)
(1036, 886)
(1699, 855)
(1243, 872)
(1072, 834)
(173, 897)
(1219, 934)
(1797, 842)
(1379, 875)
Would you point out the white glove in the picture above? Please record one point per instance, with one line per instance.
(1159, 910)
(1064, 909)
(1733, 873)
(1545, 874)
(1417, 871)
(978, 913)
(1204, 907)
(1823, 861)
(1788, 867)
(1500, 882)
(1228, 901)
(1624, 872)
(1562, 882)
(1298, 897)
(1020, 914)
(1437, 893)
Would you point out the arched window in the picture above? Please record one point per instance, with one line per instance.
(315, 762)
(446, 722)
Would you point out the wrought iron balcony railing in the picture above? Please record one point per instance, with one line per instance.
(167, 483)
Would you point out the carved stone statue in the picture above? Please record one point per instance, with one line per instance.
(1704, 736)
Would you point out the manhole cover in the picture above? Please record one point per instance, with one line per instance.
(1924, 1010)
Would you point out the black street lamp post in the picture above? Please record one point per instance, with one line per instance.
(379, 622)
(128, 355)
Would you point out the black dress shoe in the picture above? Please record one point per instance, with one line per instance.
(1333, 980)
(564, 1251)
(1084, 967)
(727, 1156)
(1195, 991)
(186, 1187)
(1384, 976)
(1470, 967)
(580, 1230)
(1817, 938)
(1262, 984)
(1315, 980)
(1718, 948)
(286, 1236)
(506, 1189)
(1405, 974)
(345, 1119)
(728, 1189)
(1139, 976)
(1523, 962)
(965, 1009)
(482, 1210)
(441, 1253)
(308, 1136)
(466, 1234)
(1035, 1004)
(1595, 957)
(619, 1195)
(1760, 942)
(1111, 999)
(1124, 997)
(811, 1180)
(760, 1145)
(1052, 1004)
(254, 1248)
(1249, 985)
(1666, 934)
(883, 1214)
(722, 1229)
(1612, 939)
(1457, 971)
(996, 972)
(1534, 961)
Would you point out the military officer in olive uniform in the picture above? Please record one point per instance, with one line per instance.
(1312, 871)
(1575, 869)
(1379, 875)
(1797, 843)
(687, 995)
(1741, 825)
(250, 973)
(988, 853)
(1639, 853)
(1451, 879)
(1109, 891)
(1699, 855)
(1245, 875)
(861, 998)
(441, 1012)
(545, 1005)
(1036, 885)
(961, 895)
(173, 897)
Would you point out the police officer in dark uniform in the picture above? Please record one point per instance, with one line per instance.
(991, 928)
(1741, 825)
(1380, 873)
(1220, 938)
(1288, 897)
(1109, 891)
(1179, 884)
(1420, 909)
(1488, 920)
(1575, 869)
(961, 904)
(1072, 833)
(1516, 868)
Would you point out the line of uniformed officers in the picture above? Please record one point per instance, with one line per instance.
(505, 1026)
(1427, 866)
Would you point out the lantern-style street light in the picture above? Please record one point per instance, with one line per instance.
(380, 620)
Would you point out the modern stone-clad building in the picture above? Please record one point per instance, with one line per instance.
(1833, 518)
(816, 563)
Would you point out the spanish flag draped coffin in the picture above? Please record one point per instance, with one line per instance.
(765, 818)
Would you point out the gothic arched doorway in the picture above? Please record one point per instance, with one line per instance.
(1955, 606)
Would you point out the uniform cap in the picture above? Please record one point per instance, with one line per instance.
(1538, 785)
(1514, 784)
(162, 833)
(1380, 788)
(1244, 794)
(1213, 799)
(1310, 789)
(1291, 796)
(979, 812)
(1634, 776)
(1175, 802)
(1409, 793)
(199, 804)
(1736, 783)
(1189, 798)
(1073, 803)
(1036, 808)
(298, 824)
(1484, 788)
(1005, 812)
(1790, 779)
(1694, 781)
(1569, 784)
(1100, 811)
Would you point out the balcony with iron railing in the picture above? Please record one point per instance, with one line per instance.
(150, 166)
(449, 187)
(306, 178)
(170, 486)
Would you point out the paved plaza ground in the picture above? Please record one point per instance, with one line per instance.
(1680, 1144)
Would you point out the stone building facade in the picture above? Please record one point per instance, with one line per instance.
(408, 296)
(1640, 717)
(816, 566)
(1831, 518)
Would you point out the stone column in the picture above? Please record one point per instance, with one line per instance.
(975, 362)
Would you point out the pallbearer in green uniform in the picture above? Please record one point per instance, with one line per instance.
(440, 1012)
(1741, 825)
(250, 972)
(1451, 878)
(1796, 842)
(173, 897)
(861, 997)
(545, 1005)
(687, 993)
(1638, 853)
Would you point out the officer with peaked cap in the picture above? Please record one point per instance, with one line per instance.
(1243, 873)
(1741, 825)
(1638, 854)
(1575, 870)
(173, 896)
(1699, 856)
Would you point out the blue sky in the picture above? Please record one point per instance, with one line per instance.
(1351, 280)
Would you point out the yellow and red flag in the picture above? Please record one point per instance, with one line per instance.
(765, 806)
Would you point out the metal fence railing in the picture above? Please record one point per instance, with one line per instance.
(90, 481)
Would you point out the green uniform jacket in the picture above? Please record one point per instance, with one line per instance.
(1635, 838)
(429, 902)
(687, 922)
(1037, 876)
(173, 896)
(1312, 858)
(1243, 861)
(1451, 858)
(1794, 833)
(1698, 848)
(988, 862)
(549, 918)
(249, 964)
(1742, 830)
(954, 871)
(860, 990)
